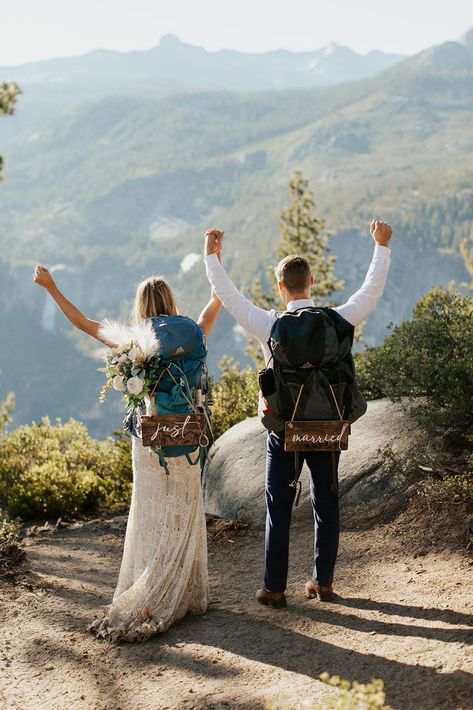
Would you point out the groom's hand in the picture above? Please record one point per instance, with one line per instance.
(43, 277)
(213, 241)
(381, 232)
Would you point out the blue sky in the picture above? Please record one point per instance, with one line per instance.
(39, 29)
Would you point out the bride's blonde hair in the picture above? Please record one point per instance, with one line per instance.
(154, 297)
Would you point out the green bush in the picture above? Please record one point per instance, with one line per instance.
(454, 489)
(9, 529)
(49, 470)
(235, 396)
(429, 356)
(6, 408)
(354, 695)
(368, 376)
(351, 696)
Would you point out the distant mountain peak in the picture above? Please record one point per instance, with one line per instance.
(467, 38)
(169, 41)
(331, 48)
(449, 55)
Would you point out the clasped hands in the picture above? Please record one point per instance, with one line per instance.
(213, 241)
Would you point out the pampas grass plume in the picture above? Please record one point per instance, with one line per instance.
(116, 333)
(143, 335)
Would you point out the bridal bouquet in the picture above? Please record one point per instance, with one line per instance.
(133, 365)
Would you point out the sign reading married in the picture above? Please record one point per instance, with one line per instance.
(173, 429)
(316, 436)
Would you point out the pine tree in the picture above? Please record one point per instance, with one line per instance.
(303, 233)
(8, 96)
(466, 250)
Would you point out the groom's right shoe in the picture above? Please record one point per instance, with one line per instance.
(275, 599)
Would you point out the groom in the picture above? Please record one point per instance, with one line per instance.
(294, 283)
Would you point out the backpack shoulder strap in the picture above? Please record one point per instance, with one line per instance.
(342, 327)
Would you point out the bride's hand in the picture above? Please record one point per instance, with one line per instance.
(42, 277)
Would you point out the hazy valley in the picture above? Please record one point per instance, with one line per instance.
(109, 188)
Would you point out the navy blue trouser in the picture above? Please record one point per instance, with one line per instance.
(280, 467)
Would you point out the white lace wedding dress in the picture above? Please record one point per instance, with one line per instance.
(163, 573)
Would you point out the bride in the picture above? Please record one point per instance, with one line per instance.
(163, 573)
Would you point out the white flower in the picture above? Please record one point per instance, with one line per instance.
(135, 354)
(122, 358)
(118, 383)
(118, 351)
(135, 385)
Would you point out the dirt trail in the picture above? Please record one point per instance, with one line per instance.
(400, 618)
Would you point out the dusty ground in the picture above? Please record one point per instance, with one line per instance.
(399, 617)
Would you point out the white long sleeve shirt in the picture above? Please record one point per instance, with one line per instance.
(259, 322)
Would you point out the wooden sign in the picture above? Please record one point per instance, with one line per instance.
(174, 430)
(316, 436)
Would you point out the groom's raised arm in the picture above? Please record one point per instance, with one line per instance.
(254, 320)
(363, 301)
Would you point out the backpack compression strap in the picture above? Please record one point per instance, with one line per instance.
(298, 466)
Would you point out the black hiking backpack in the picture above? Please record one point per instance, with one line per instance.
(312, 377)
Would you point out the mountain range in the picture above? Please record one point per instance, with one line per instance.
(120, 186)
(174, 66)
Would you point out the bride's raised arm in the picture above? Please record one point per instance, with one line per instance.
(209, 314)
(43, 278)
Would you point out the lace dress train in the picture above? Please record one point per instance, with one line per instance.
(163, 573)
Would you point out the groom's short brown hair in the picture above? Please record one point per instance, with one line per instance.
(294, 272)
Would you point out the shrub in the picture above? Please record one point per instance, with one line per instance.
(354, 695)
(429, 356)
(351, 696)
(49, 470)
(235, 396)
(9, 529)
(6, 408)
(454, 489)
(368, 375)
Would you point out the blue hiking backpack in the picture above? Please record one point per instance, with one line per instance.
(180, 372)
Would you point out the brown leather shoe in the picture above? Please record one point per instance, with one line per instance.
(275, 599)
(315, 591)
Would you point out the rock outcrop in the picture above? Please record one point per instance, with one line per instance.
(234, 475)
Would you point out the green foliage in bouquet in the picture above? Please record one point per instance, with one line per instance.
(235, 396)
(50, 470)
(127, 370)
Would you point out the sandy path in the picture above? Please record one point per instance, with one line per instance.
(400, 618)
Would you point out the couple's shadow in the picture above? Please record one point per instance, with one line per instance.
(278, 639)
(447, 616)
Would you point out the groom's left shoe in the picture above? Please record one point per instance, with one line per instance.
(275, 599)
(316, 591)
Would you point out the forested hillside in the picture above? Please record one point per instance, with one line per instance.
(120, 187)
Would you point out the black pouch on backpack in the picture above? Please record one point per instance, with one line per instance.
(267, 382)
